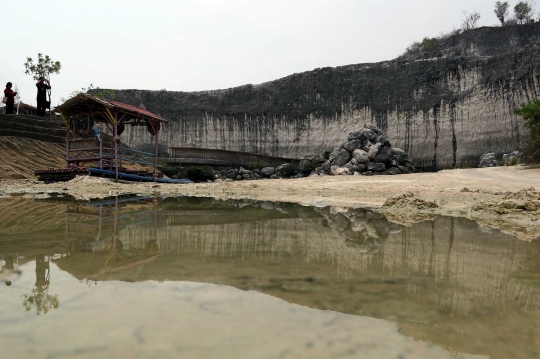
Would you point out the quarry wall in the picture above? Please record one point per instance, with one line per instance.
(444, 107)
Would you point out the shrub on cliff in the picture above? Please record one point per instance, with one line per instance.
(531, 114)
(326, 154)
(430, 44)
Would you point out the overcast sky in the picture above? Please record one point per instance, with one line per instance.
(192, 45)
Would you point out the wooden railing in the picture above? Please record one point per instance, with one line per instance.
(223, 157)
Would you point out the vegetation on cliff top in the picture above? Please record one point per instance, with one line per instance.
(524, 13)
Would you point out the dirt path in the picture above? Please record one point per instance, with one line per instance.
(491, 196)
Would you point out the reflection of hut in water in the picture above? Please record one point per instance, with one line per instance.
(92, 239)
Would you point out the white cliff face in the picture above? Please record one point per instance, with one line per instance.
(450, 135)
(443, 111)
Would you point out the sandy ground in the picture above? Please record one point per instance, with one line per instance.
(20, 156)
(507, 198)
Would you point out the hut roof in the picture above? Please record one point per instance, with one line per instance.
(101, 109)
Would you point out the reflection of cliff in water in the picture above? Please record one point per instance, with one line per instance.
(444, 281)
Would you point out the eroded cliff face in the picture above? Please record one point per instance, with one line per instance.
(445, 108)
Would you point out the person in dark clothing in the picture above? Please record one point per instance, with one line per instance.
(10, 94)
(42, 86)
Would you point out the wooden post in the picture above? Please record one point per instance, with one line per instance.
(156, 130)
(116, 143)
(67, 148)
(100, 152)
(115, 221)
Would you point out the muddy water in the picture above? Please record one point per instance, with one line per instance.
(199, 278)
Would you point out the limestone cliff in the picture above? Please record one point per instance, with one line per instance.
(443, 107)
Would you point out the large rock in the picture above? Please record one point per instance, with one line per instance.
(384, 155)
(326, 166)
(333, 154)
(371, 135)
(352, 145)
(342, 158)
(398, 152)
(268, 171)
(404, 170)
(339, 171)
(383, 141)
(511, 158)
(355, 135)
(371, 126)
(392, 171)
(279, 169)
(488, 160)
(376, 167)
(361, 156)
(373, 150)
(342, 171)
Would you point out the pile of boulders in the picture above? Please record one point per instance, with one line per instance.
(488, 160)
(492, 160)
(285, 170)
(511, 158)
(367, 152)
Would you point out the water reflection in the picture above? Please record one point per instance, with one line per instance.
(447, 281)
(40, 297)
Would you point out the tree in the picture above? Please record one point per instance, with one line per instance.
(531, 114)
(524, 12)
(44, 66)
(501, 10)
(470, 21)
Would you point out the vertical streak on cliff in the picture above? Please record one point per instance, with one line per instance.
(453, 128)
(408, 121)
(515, 123)
(436, 110)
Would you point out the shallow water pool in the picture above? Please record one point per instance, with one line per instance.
(134, 277)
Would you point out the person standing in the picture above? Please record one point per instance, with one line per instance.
(42, 86)
(10, 95)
